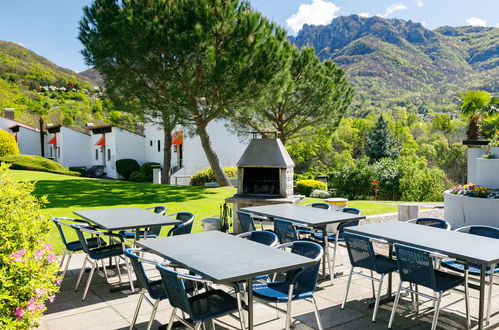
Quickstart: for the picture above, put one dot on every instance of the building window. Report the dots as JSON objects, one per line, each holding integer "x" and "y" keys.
{"x": 159, "y": 146}
{"x": 108, "y": 154}
{"x": 58, "y": 152}
{"x": 150, "y": 143}
{"x": 51, "y": 152}
{"x": 96, "y": 154}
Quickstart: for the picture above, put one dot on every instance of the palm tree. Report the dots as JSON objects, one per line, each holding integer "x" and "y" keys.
{"x": 476, "y": 104}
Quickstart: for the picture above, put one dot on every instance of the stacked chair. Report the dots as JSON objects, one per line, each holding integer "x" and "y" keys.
{"x": 151, "y": 232}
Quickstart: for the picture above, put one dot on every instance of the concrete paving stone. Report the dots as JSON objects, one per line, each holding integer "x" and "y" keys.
{"x": 96, "y": 318}
{"x": 68, "y": 303}
{"x": 330, "y": 316}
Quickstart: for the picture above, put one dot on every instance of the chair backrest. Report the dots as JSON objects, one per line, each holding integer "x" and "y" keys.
{"x": 285, "y": 231}
{"x": 246, "y": 221}
{"x": 263, "y": 237}
{"x": 80, "y": 230}
{"x": 432, "y": 222}
{"x": 185, "y": 227}
{"x": 305, "y": 278}
{"x": 324, "y": 206}
{"x": 415, "y": 266}
{"x": 161, "y": 210}
{"x": 480, "y": 230}
{"x": 175, "y": 289}
{"x": 360, "y": 251}
{"x": 351, "y": 210}
{"x": 138, "y": 268}
{"x": 60, "y": 223}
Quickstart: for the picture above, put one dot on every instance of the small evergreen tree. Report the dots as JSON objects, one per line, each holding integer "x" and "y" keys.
{"x": 380, "y": 142}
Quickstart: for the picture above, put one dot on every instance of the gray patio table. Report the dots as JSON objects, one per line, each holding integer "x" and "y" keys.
{"x": 225, "y": 259}
{"x": 470, "y": 248}
{"x": 309, "y": 216}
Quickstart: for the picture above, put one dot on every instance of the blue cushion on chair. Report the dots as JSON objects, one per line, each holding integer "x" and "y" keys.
{"x": 131, "y": 234}
{"x": 106, "y": 251}
{"x": 330, "y": 236}
{"x": 473, "y": 269}
{"x": 276, "y": 291}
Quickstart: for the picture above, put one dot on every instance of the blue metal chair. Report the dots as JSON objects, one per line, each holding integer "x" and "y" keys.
{"x": 307, "y": 230}
{"x": 432, "y": 222}
{"x": 361, "y": 254}
{"x": 246, "y": 221}
{"x": 285, "y": 231}
{"x": 114, "y": 250}
{"x": 416, "y": 267}
{"x": 73, "y": 246}
{"x": 474, "y": 269}
{"x": 155, "y": 288}
{"x": 201, "y": 307}
{"x": 261, "y": 236}
{"x": 185, "y": 227}
{"x": 298, "y": 283}
{"x": 152, "y": 232}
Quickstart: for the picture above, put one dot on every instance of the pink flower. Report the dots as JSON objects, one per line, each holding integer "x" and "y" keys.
{"x": 19, "y": 313}
{"x": 18, "y": 256}
{"x": 58, "y": 281}
{"x": 48, "y": 247}
{"x": 31, "y": 305}
{"x": 51, "y": 257}
{"x": 39, "y": 254}
{"x": 52, "y": 298}
{"x": 39, "y": 292}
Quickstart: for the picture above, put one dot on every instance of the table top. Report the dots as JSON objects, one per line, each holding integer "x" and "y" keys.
{"x": 125, "y": 218}
{"x": 224, "y": 258}
{"x": 473, "y": 248}
{"x": 310, "y": 216}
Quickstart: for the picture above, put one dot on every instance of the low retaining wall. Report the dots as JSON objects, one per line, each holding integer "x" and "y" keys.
{"x": 466, "y": 211}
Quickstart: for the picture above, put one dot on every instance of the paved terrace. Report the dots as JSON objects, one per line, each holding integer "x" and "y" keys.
{"x": 105, "y": 310}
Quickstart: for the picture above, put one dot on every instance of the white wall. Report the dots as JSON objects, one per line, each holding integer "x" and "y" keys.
{"x": 28, "y": 141}
{"x": 152, "y": 134}
{"x": 74, "y": 146}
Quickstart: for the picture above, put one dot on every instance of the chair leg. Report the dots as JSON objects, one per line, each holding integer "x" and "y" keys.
{"x": 348, "y": 288}
{"x": 317, "y": 316}
{"x": 467, "y": 300}
{"x": 378, "y": 296}
{"x": 334, "y": 255}
{"x": 116, "y": 259}
{"x": 198, "y": 325}
{"x": 437, "y": 310}
{"x": 372, "y": 284}
{"x": 70, "y": 254}
{"x": 170, "y": 321}
{"x": 416, "y": 298}
{"x": 288, "y": 314}
{"x": 153, "y": 314}
{"x": 137, "y": 309}
{"x": 489, "y": 299}
{"x": 90, "y": 275}
{"x": 105, "y": 270}
{"x": 129, "y": 275}
{"x": 240, "y": 310}
{"x": 395, "y": 303}
{"x": 81, "y": 273}
{"x": 63, "y": 257}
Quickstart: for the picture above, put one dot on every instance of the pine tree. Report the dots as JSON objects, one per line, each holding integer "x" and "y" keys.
{"x": 380, "y": 143}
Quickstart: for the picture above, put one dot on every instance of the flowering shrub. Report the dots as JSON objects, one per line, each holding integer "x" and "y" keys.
{"x": 28, "y": 265}
{"x": 8, "y": 145}
{"x": 305, "y": 187}
{"x": 317, "y": 193}
{"x": 471, "y": 190}
{"x": 206, "y": 175}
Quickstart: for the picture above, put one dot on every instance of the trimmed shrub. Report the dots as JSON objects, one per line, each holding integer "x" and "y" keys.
{"x": 36, "y": 163}
{"x": 138, "y": 176}
{"x": 353, "y": 179}
{"x": 206, "y": 175}
{"x": 27, "y": 264}
{"x": 305, "y": 187}
{"x": 81, "y": 170}
{"x": 317, "y": 193}
{"x": 147, "y": 170}
{"x": 8, "y": 145}
{"x": 125, "y": 167}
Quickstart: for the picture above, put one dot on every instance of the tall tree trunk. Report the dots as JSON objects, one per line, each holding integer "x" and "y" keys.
{"x": 42, "y": 137}
{"x": 210, "y": 153}
{"x": 167, "y": 151}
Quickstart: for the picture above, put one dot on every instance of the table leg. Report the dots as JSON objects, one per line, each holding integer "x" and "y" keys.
{"x": 249, "y": 291}
{"x": 326, "y": 256}
{"x": 481, "y": 302}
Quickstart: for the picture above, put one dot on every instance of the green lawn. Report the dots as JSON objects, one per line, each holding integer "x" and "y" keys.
{"x": 67, "y": 193}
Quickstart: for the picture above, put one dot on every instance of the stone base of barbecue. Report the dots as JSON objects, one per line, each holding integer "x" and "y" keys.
{"x": 240, "y": 202}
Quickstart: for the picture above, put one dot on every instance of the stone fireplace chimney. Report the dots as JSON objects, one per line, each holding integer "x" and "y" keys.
{"x": 8, "y": 113}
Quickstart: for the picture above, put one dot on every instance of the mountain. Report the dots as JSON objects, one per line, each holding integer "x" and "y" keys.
{"x": 393, "y": 62}
{"x": 93, "y": 76}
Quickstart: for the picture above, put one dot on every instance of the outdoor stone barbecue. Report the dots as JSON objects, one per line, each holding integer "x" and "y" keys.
{"x": 265, "y": 176}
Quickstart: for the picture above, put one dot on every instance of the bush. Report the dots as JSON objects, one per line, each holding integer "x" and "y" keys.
{"x": 317, "y": 193}
{"x": 422, "y": 184}
{"x": 36, "y": 163}
{"x": 354, "y": 179}
{"x": 206, "y": 175}
{"x": 81, "y": 170}
{"x": 125, "y": 167}
{"x": 147, "y": 170}
{"x": 8, "y": 145}
{"x": 305, "y": 187}
{"x": 137, "y": 176}
{"x": 27, "y": 265}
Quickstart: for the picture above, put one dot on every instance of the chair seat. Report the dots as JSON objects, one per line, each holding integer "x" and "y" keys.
{"x": 131, "y": 234}
{"x": 473, "y": 269}
{"x": 304, "y": 230}
{"x": 106, "y": 251}
{"x": 445, "y": 281}
{"x": 330, "y": 236}
{"x": 212, "y": 304}
{"x": 157, "y": 290}
{"x": 276, "y": 291}
{"x": 75, "y": 246}
{"x": 385, "y": 265}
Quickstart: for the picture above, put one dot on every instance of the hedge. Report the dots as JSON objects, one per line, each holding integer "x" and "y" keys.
{"x": 36, "y": 163}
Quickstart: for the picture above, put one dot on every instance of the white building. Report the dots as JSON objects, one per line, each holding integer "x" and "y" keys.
{"x": 188, "y": 156}
{"x": 68, "y": 147}
{"x": 109, "y": 143}
{"x": 28, "y": 138}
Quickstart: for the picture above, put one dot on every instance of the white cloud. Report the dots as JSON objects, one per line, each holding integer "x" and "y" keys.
{"x": 392, "y": 8}
{"x": 364, "y": 14}
{"x": 475, "y": 21}
{"x": 497, "y": 24}
{"x": 419, "y": 3}
{"x": 319, "y": 12}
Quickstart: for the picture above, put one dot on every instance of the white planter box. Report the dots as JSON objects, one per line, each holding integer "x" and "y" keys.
{"x": 473, "y": 154}
{"x": 466, "y": 211}
{"x": 495, "y": 151}
{"x": 487, "y": 173}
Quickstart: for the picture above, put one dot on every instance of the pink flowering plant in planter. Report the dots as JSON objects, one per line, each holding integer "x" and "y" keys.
{"x": 28, "y": 266}
{"x": 470, "y": 190}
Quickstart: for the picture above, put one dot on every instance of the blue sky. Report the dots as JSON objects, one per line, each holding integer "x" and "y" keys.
{"x": 50, "y": 27}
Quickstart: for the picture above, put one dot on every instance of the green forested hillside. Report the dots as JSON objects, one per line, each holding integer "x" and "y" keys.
{"x": 393, "y": 62}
